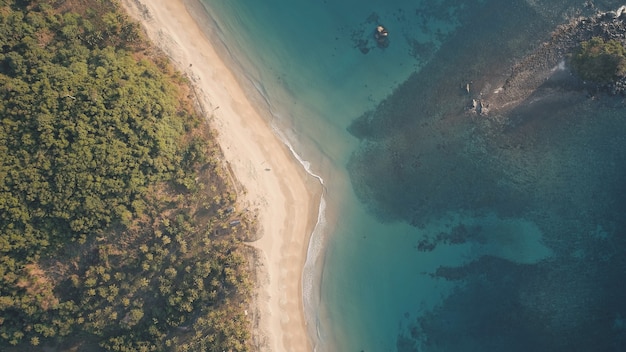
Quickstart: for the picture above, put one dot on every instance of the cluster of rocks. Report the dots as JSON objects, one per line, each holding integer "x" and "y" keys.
{"x": 535, "y": 69}
{"x": 478, "y": 107}
{"x": 382, "y": 36}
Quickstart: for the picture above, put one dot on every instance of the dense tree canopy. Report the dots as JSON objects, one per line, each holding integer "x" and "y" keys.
{"x": 114, "y": 211}
{"x": 600, "y": 61}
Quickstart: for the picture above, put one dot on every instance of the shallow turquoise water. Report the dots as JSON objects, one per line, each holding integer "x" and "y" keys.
{"x": 302, "y": 58}
{"x": 403, "y": 268}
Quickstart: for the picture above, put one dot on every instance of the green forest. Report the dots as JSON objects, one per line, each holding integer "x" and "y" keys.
{"x": 119, "y": 227}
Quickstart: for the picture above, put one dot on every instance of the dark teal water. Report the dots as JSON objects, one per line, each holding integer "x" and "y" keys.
{"x": 442, "y": 231}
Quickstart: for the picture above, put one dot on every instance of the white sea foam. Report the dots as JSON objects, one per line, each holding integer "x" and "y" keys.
{"x": 310, "y": 88}
{"x": 311, "y": 272}
{"x": 559, "y": 67}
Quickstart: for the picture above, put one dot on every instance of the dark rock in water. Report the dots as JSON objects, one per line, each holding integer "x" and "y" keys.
{"x": 382, "y": 43}
{"x": 363, "y": 35}
{"x": 478, "y": 107}
{"x": 382, "y": 36}
{"x": 362, "y": 45}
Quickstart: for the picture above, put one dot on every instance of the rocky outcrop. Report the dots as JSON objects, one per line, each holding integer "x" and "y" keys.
{"x": 547, "y": 66}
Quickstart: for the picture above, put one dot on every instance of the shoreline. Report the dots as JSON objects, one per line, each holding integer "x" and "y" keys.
{"x": 277, "y": 186}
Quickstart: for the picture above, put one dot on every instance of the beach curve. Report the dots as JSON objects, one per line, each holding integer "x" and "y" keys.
{"x": 276, "y": 185}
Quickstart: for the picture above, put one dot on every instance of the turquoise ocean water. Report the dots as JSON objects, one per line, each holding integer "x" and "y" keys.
{"x": 439, "y": 233}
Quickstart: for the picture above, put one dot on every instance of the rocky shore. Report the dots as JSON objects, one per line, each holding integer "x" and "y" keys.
{"x": 546, "y": 70}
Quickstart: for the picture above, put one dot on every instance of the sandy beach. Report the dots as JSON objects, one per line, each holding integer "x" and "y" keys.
{"x": 276, "y": 186}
